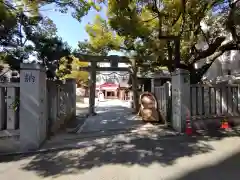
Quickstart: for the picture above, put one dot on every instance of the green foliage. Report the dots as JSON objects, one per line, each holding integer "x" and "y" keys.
{"x": 69, "y": 69}
{"x": 15, "y": 104}
{"x": 78, "y": 8}
{"x": 8, "y": 22}
{"x": 101, "y": 38}
{"x": 145, "y": 21}
{"x": 140, "y": 25}
{"x": 25, "y": 33}
{"x": 23, "y": 36}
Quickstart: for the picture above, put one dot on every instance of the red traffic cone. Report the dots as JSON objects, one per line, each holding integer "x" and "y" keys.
{"x": 225, "y": 125}
{"x": 188, "y": 130}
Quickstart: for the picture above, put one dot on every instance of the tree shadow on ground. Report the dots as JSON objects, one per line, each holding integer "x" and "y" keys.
{"x": 81, "y": 111}
{"x": 112, "y": 117}
{"x": 227, "y": 169}
{"x": 141, "y": 149}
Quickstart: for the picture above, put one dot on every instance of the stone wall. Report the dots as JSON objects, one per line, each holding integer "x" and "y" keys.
{"x": 44, "y": 106}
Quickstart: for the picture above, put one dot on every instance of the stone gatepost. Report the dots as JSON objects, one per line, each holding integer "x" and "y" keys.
{"x": 152, "y": 85}
{"x": 71, "y": 85}
{"x": 180, "y": 99}
{"x": 33, "y": 106}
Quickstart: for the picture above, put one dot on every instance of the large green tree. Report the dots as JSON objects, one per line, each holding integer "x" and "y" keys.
{"x": 26, "y": 36}
{"x": 69, "y": 68}
{"x": 140, "y": 26}
{"x": 26, "y": 33}
{"x": 150, "y": 20}
{"x": 78, "y": 8}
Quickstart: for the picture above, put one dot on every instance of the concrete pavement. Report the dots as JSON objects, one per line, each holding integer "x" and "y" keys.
{"x": 139, "y": 157}
{"x": 111, "y": 115}
{"x": 142, "y": 153}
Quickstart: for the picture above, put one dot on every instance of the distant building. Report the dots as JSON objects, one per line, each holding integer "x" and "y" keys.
{"x": 224, "y": 68}
{"x": 148, "y": 80}
{"x": 112, "y": 84}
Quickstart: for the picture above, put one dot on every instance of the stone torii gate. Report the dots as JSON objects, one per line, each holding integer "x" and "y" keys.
{"x": 114, "y": 60}
{"x": 93, "y": 68}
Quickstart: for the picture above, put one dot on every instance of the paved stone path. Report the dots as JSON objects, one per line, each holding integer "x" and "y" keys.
{"x": 111, "y": 115}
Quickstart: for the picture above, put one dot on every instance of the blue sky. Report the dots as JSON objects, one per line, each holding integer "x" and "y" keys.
{"x": 69, "y": 28}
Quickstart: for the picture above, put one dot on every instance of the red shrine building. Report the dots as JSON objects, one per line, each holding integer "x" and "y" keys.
{"x": 113, "y": 85}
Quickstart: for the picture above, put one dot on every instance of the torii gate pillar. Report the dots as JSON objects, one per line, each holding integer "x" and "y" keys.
{"x": 92, "y": 85}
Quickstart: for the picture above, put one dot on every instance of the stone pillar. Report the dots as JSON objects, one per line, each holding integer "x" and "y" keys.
{"x": 152, "y": 85}
{"x": 72, "y": 90}
{"x": 166, "y": 102}
{"x": 180, "y": 99}
{"x": 131, "y": 100}
{"x": 2, "y": 108}
{"x": 52, "y": 104}
{"x": 135, "y": 85}
{"x": 33, "y": 106}
{"x": 92, "y": 86}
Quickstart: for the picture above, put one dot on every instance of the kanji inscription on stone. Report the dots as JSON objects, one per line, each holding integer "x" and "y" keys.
{"x": 29, "y": 77}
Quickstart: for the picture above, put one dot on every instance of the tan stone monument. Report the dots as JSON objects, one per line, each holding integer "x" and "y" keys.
{"x": 148, "y": 107}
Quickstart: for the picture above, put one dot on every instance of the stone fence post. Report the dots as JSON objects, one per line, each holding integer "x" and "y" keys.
{"x": 152, "y": 85}
{"x": 71, "y": 86}
{"x": 33, "y": 106}
{"x": 52, "y": 99}
{"x": 180, "y": 99}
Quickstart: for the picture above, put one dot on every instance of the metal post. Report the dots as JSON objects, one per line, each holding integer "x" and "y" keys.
{"x": 92, "y": 84}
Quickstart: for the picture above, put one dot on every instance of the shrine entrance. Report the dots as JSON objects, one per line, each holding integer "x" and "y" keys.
{"x": 113, "y": 85}
{"x": 105, "y": 79}
{"x": 114, "y": 112}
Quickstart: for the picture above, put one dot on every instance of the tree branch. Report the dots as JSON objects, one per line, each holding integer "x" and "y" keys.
{"x": 212, "y": 48}
{"x": 155, "y": 9}
{"x": 201, "y": 14}
{"x": 183, "y": 15}
{"x": 150, "y": 19}
{"x": 211, "y": 58}
{"x": 127, "y": 49}
{"x": 230, "y": 21}
{"x": 178, "y": 17}
{"x": 205, "y": 36}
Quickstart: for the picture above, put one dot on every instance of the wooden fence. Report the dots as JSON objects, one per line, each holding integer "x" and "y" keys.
{"x": 61, "y": 98}
{"x": 162, "y": 94}
{"x": 9, "y": 106}
{"x": 213, "y": 101}
{"x": 206, "y": 101}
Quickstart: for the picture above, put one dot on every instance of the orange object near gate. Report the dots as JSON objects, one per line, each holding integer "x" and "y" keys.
{"x": 225, "y": 125}
{"x": 188, "y": 129}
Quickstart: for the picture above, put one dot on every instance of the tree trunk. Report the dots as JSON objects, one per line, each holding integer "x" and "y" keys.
{"x": 134, "y": 86}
